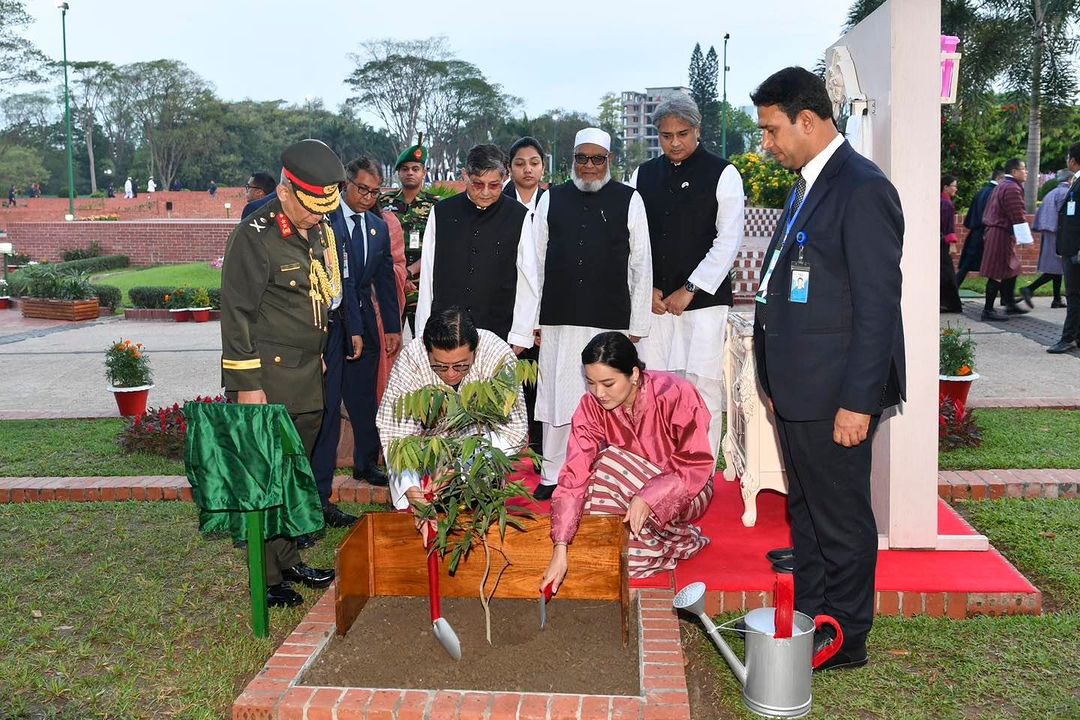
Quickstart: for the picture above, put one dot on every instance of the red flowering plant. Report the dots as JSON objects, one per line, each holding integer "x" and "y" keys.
{"x": 126, "y": 365}
{"x": 956, "y": 426}
{"x": 160, "y": 431}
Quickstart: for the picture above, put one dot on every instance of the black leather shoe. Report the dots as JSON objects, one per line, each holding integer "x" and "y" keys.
{"x": 1015, "y": 309}
{"x": 993, "y": 316}
{"x": 845, "y": 660}
{"x": 335, "y": 517}
{"x": 787, "y": 565}
{"x": 543, "y": 492}
{"x": 372, "y": 475}
{"x": 1062, "y": 346}
{"x": 780, "y": 554}
{"x": 312, "y": 577}
{"x": 304, "y": 542}
{"x": 282, "y": 595}
{"x": 1057, "y": 304}
{"x": 1025, "y": 295}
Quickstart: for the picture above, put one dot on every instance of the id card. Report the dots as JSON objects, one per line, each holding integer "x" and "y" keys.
{"x": 414, "y": 240}
{"x": 800, "y": 283}
{"x": 1070, "y": 208}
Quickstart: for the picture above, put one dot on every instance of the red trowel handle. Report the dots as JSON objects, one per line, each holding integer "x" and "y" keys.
{"x": 832, "y": 648}
{"x": 784, "y": 597}
{"x": 433, "y": 584}
{"x": 546, "y": 591}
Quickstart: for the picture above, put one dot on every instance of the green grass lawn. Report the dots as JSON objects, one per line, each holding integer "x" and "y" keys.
{"x": 194, "y": 275}
{"x": 981, "y": 668}
{"x": 1020, "y": 438}
{"x": 122, "y": 610}
{"x": 978, "y": 284}
{"x": 73, "y": 448}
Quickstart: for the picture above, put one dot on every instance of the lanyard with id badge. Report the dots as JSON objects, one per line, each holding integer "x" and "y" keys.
{"x": 799, "y": 291}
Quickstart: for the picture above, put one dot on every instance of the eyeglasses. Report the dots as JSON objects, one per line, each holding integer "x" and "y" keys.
{"x": 363, "y": 190}
{"x": 252, "y": 187}
{"x": 597, "y": 160}
{"x": 460, "y": 368}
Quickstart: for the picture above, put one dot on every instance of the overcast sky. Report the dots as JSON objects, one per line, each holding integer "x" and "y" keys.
{"x": 552, "y": 54}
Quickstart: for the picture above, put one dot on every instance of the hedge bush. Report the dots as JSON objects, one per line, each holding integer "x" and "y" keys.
{"x": 94, "y": 264}
{"x": 91, "y": 251}
{"x": 149, "y": 296}
{"x": 108, "y": 296}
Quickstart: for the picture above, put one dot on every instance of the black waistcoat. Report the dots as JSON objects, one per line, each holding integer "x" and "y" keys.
{"x": 476, "y": 259}
{"x": 588, "y": 250}
{"x": 680, "y": 201}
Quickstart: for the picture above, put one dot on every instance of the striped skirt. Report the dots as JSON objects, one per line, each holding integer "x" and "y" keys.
{"x": 617, "y": 476}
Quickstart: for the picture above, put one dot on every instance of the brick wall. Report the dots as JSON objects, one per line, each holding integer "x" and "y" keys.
{"x": 186, "y": 205}
{"x": 1029, "y": 254}
{"x": 145, "y": 242}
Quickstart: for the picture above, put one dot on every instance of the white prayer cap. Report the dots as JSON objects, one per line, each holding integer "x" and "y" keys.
{"x": 594, "y": 136}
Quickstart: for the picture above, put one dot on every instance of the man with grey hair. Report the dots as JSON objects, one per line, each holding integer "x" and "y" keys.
{"x": 694, "y": 201}
{"x": 592, "y": 246}
{"x": 479, "y": 254}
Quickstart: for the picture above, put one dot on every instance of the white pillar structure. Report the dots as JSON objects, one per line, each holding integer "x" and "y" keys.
{"x": 896, "y": 57}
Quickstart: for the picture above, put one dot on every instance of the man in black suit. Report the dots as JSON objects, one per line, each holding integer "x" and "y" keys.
{"x": 1068, "y": 247}
{"x": 352, "y": 349}
{"x": 829, "y": 347}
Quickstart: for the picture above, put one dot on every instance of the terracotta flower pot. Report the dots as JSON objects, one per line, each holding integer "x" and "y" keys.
{"x": 200, "y": 314}
{"x": 131, "y": 401}
{"x": 182, "y": 315}
{"x": 955, "y": 388}
{"x": 5, "y": 303}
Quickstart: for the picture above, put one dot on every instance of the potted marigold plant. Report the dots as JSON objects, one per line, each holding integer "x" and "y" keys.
{"x": 200, "y": 305}
{"x": 956, "y": 367}
{"x": 179, "y": 303}
{"x": 127, "y": 369}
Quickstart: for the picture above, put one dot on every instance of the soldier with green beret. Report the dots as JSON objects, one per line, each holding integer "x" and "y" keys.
{"x": 279, "y": 279}
{"x": 411, "y": 204}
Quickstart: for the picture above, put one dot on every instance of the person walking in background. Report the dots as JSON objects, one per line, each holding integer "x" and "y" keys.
{"x": 151, "y": 186}
{"x": 212, "y": 189}
{"x": 1001, "y": 263}
{"x": 1046, "y": 222}
{"x": 128, "y": 188}
{"x": 971, "y": 255}
{"x": 950, "y": 291}
{"x": 1068, "y": 247}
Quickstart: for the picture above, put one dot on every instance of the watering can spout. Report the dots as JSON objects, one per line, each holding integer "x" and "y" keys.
{"x": 692, "y": 599}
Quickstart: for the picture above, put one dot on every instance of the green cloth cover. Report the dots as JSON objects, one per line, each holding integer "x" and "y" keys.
{"x": 249, "y": 457}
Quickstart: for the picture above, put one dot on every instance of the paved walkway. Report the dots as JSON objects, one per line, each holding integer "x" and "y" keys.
{"x": 952, "y": 485}
{"x": 56, "y": 369}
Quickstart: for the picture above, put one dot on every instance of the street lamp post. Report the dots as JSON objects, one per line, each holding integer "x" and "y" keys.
{"x": 723, "y": 106}
{"x": 67, "y": 112}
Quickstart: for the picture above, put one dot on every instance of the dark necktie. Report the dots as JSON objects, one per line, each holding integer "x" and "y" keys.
{"x": 358, "y": 241}
{"x": 800, "y": 193}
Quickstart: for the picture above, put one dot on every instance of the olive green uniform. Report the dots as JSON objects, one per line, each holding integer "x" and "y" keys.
{"x": 273, "y": 330}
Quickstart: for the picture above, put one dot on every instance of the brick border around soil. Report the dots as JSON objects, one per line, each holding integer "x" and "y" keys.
{"x": 273, "y": 694}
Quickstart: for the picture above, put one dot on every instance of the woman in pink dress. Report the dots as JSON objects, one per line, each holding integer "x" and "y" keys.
{"x": 639, "y": 447}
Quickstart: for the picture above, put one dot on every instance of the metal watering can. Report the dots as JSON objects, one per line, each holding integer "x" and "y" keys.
{"x": 776, "y": 677}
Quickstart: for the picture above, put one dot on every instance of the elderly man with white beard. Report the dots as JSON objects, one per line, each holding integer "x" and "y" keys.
{"x": 595, "y": 273}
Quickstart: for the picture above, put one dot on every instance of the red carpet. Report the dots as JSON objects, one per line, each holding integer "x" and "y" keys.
{"x": 735, "y": 556}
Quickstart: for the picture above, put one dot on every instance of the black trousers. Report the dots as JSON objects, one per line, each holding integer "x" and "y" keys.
{"x": 832, "y": 525}
{"x": 354, "y": 382}
{"x": 280, "y": 552}
{"x": 970, "y": 256}
{"x": 1070, "y": 331}
{"x": 536, "y": 429}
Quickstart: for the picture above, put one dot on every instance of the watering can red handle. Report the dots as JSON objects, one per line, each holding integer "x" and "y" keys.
{"x": 832, "y": 648}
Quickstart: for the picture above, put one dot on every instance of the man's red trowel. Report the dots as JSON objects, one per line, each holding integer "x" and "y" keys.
{"x": 440, "y": 627}
{"x": 545, "y": 597}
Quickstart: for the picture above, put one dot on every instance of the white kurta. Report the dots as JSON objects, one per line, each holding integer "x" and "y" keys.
{"x": 693, "y": 343}
{"x": 527, "y": 293}
{"x": 562, "y": 380}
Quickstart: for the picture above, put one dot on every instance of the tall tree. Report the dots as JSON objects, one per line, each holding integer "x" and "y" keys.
{"x": 20, "y": 61}
{"x": 461, "y": 110}
{"x": 393, "y": 79}
{"x": 167, "y": 98}
{"x": 91, "y": 84}
{"x": 702, "y": 81}
{"x": 1042, "y": 64}
{"x": 610, "y": 119}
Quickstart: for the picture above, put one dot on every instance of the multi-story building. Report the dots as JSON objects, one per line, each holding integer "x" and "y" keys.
{"x": 637, "y": 111}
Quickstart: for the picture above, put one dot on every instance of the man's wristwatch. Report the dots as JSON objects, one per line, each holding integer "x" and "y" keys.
{"x": 690, "y": 287}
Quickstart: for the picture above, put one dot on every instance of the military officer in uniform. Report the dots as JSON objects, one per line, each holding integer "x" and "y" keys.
{"x": 278, "y": 279}
{"x": 411, "y": 205}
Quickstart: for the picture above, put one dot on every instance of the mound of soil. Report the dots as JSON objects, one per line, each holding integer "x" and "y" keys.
{"x": 391, "y": 645}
